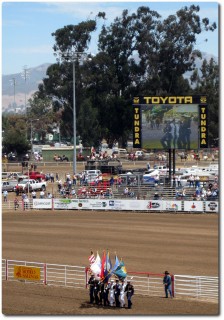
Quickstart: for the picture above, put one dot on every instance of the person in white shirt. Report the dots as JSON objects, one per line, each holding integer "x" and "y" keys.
{"x": 5, "y": 195}
{"x": 191, "y": 180}
{"x": 179, "y": 181}
{"x": 42, "y": 194}
{"x": 34, "y": 194}
{"x": 122, "y": 294}
{"x": 111, "y": 293}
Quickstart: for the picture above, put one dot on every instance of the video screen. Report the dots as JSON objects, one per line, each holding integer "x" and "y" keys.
{"x": 170, "y": 126}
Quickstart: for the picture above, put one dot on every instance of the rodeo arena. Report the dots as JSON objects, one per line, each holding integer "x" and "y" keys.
{"x": 127, "y": 229}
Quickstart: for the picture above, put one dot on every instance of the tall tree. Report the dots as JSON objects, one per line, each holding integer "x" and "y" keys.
{"x": 15, "y": 134}
{"x": 206, "y": 81}
{"x": 139, "y": 54}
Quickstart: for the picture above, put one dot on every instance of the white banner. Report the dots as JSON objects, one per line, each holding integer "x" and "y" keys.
{"x": 126, "y": 204}
{"x": 63, "y": 204}
{"x": 192, "y": 206}
{"x": 172, "y": 205}
{"x": 212, "y": 206}
{"x": 42, "y": 203}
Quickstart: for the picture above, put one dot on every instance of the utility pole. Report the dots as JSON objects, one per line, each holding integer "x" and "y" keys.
{"x": 25, "y": 75}
{"x": 13, "y": 82}
{"x": 31, "y": 136}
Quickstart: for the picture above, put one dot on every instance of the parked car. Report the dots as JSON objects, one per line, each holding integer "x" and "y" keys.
{"x": 13, "y": 176}
{"x": 120, "y": 153}
{"x": 36, "y": 175}
{"x": 9, "y": 185}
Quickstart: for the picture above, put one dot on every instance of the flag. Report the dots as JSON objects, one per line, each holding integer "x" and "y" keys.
{"x": 121, "y": 271}
{"x": 92, "y": 258}
{"x": 116, "y": 264}
{"x": 107, "y": 268}
{"x": 96, "y": 267}
{"x": 103, "y": 265}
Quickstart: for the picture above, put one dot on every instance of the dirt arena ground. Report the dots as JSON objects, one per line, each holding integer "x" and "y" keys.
{"x": 186, "y": 244}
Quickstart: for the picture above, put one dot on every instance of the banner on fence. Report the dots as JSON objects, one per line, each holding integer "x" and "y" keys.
{"x": 126, "y": 204}
{"x": 196, "y": 206}
{"x": 211, "y": 206}
{"x": 26, "y": 273}
{"x": 42, "y": 203}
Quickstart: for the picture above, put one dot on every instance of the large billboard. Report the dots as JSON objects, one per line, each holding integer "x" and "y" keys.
{"x": 170, "y": 122}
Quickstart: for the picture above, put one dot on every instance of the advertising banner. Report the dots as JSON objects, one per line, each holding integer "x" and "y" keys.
{"x": 64, "y": 204}
{"x": 126, "y": 204}
{"x": 26, "y": 273}
{"x": 196, "y": 206}
{"x": 212, "y": 206}
{"x": 172, "y": 205}
{"x": 42, "y": 203}
{"x": 153, "y": 205}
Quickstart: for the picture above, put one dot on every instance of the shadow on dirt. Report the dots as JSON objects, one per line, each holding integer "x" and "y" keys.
{"x": 88, "y": 305}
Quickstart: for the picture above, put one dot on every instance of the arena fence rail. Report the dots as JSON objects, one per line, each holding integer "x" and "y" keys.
{"x": 147, "y": 284}
{"x": 197, "y": 287}
{"x": 116, "y": 205}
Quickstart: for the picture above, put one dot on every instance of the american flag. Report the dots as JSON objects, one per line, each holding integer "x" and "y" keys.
{"x": 92, "y": 258}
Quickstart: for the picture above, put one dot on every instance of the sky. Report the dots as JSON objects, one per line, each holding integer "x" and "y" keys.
{"x": 27, "y": 26}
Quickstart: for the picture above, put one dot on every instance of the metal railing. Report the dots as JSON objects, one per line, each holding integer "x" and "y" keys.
{"x": 200, "y": 287}
{"x": 50, "y": 274}
{"x": 147, "y": 284}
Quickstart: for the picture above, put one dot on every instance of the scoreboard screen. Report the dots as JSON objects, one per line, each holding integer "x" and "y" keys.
{"x": 170, "y": 122}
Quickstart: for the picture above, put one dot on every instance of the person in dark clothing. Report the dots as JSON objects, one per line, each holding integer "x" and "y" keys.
{"x": 184, "y": 133}
{"x": 106, "y": 294}
{"x": 91, "y": 287}
{"x": 130, "y": 291}
{"x": 117, "y": 289}
{"x": 101, "y": 292}
{"x": 96, "y": 290}
{"x": 167, "y": 137}
{"x": 167, "y": 284}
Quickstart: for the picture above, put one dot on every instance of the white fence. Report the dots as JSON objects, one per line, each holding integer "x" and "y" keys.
{"x": 197, "y": 287}
{"x": 50, "y": 274}
{"x": 117, "y": 205}
{"x": 148, "y": 284}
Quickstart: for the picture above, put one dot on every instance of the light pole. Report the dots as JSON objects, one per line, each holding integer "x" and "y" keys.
{"x": 31, "y": 136}
{"x": 73, "y": 56}
{"x": 25, "y": 75}
{"x": 13, "y": 82}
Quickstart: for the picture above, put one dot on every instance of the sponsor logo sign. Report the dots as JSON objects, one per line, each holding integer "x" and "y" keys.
{"x": 172, "y": 205}
{"x": 193, "y": 206}
{"x": 154, "y": 205}
{"x": 42, "y": 203}
{"x": 27, "y": 273}
{"x": 212, "y": 206}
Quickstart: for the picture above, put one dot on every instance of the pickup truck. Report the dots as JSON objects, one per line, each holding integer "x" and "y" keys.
{"x": 31, "y": 185}
{"x": 9, "y": 185}
{"x": 36, "y": 175}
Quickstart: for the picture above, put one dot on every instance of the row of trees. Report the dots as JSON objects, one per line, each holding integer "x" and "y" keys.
{"x": 138, "y": 54}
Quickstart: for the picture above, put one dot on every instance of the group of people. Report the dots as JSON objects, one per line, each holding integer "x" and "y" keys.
{"x": 177, "y": 133}
{"x": 118, "y": 293}
{"x": 199, "y": 192}
{"x": 113, "y": 293}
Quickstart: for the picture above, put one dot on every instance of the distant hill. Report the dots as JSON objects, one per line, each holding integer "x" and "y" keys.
{"x": 34, "y": 78}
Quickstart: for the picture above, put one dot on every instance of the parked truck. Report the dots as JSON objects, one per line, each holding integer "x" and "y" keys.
{"x": 31, "y": 185}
